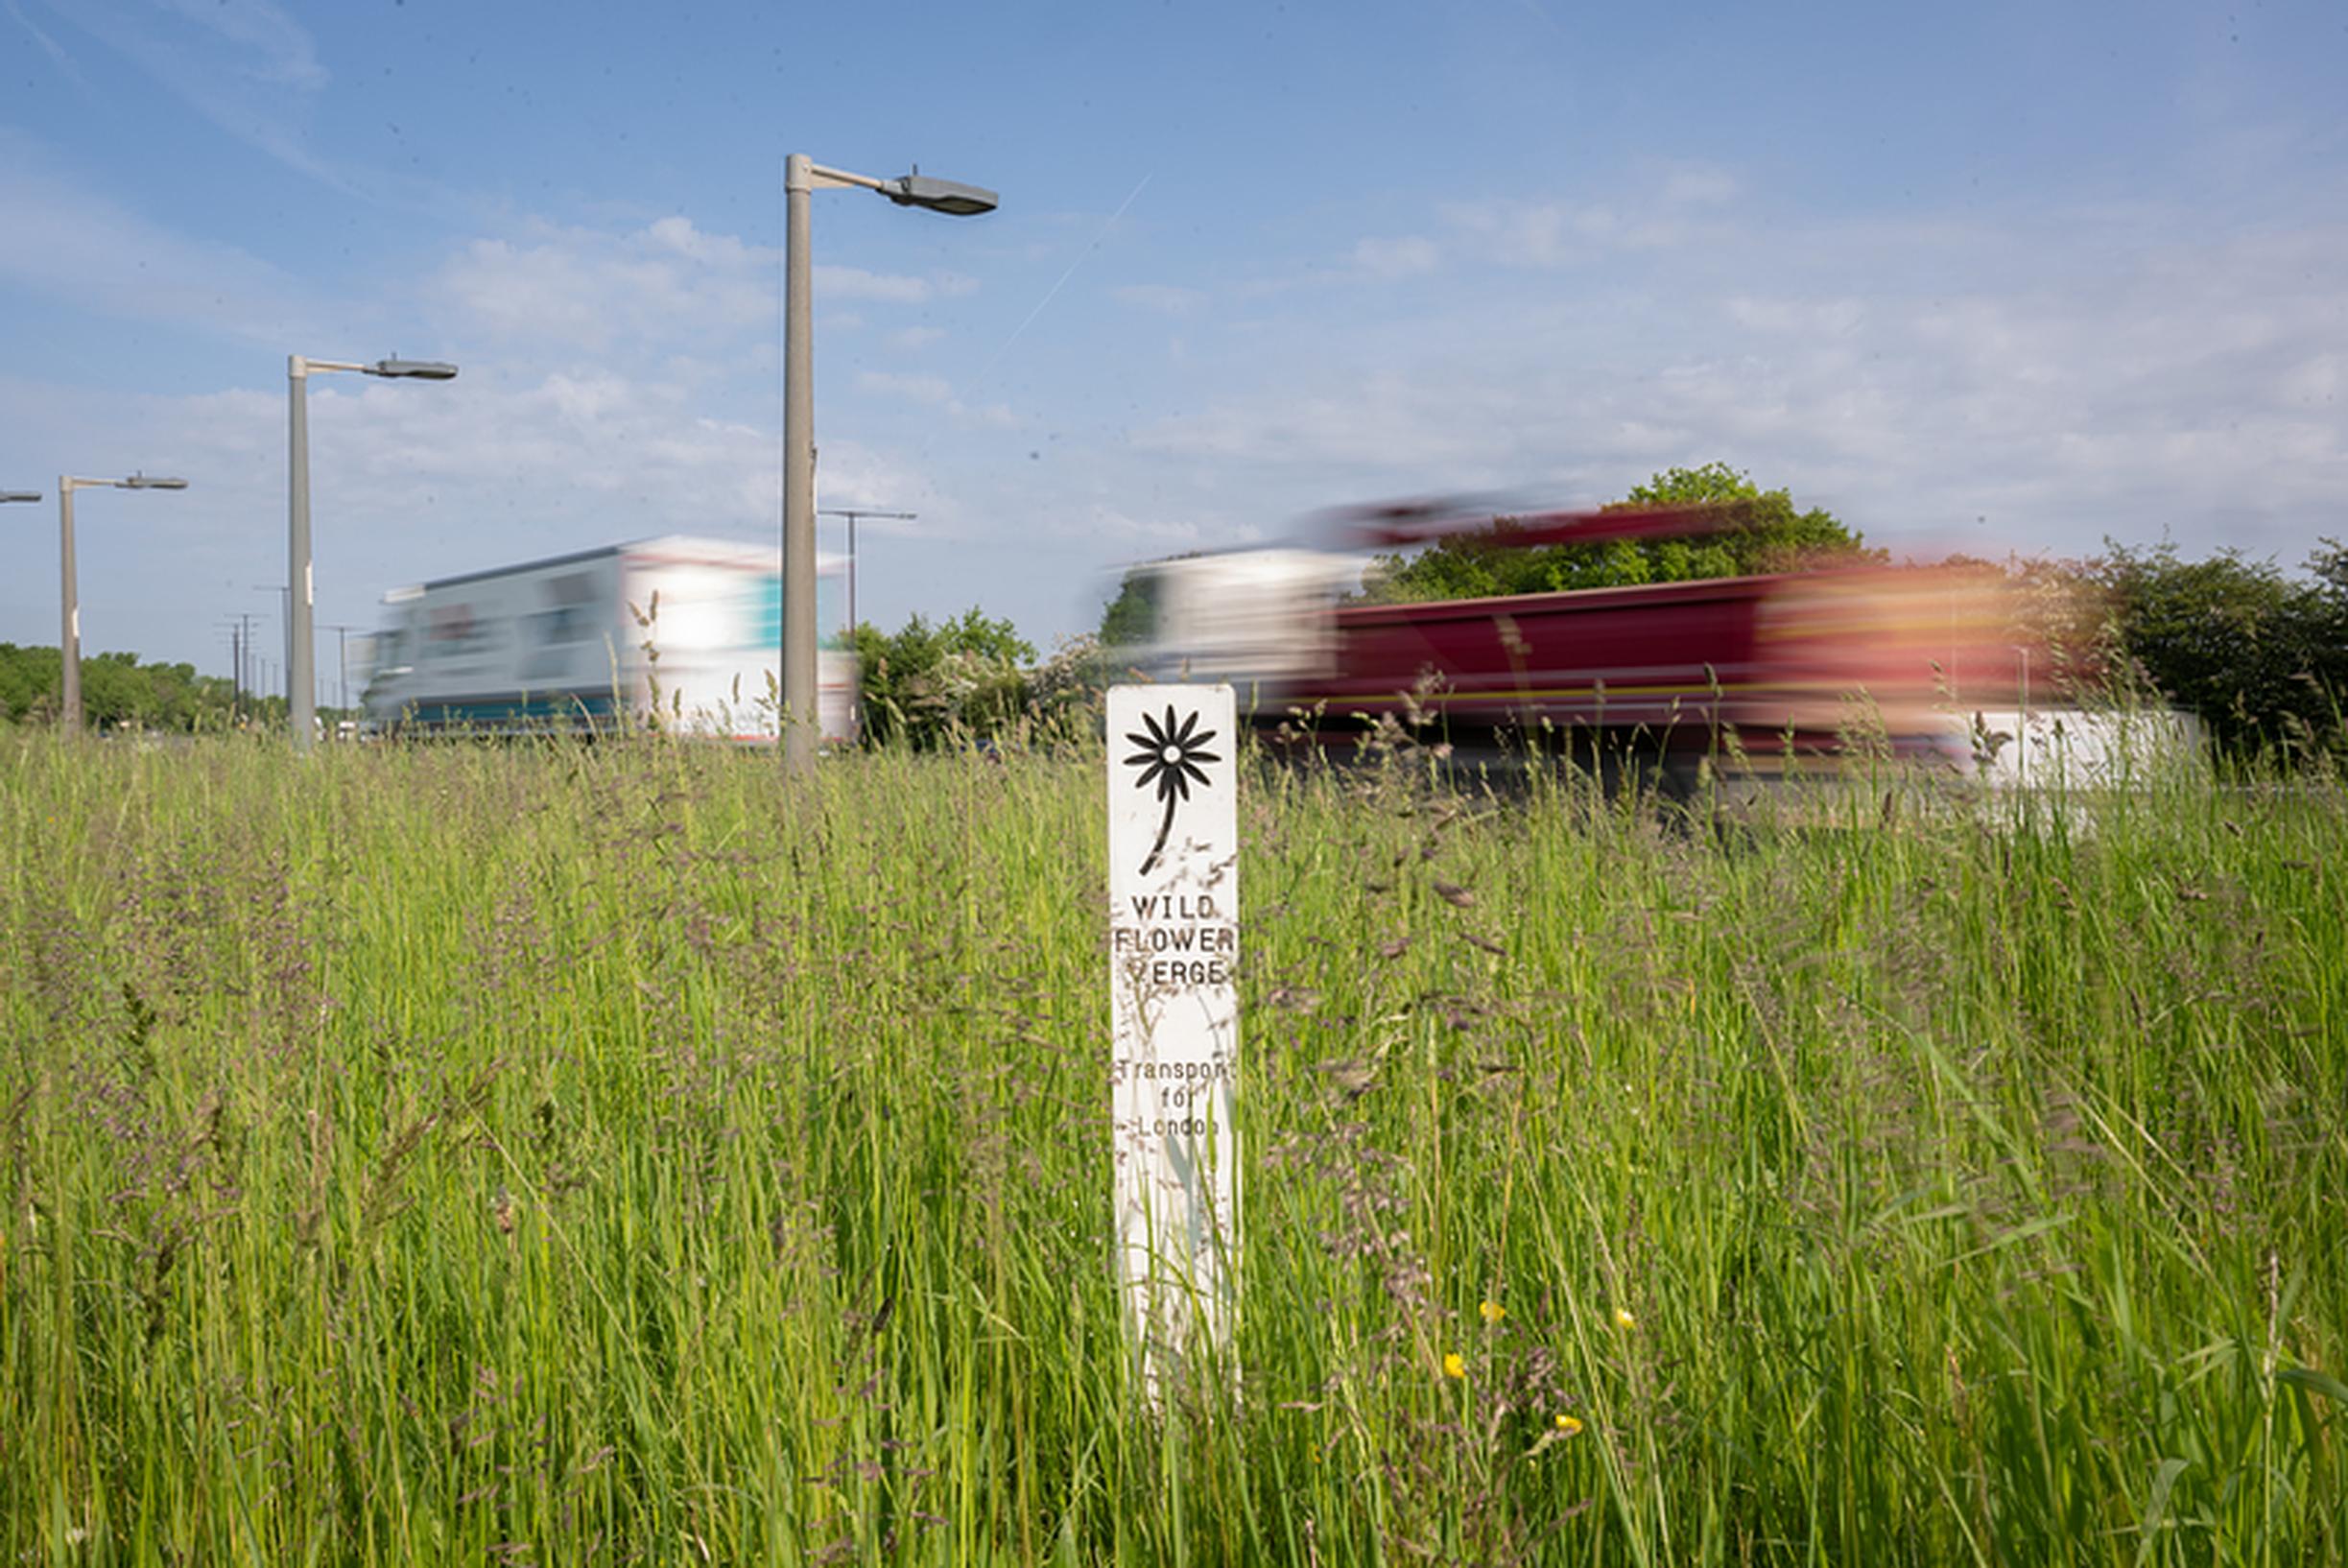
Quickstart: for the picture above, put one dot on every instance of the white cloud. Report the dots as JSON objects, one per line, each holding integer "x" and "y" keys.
{"x": 667, "y": 283}
{"x": 856, "y": 283}
{"x": 932, "y": 390}
{"x": 594, "y": 289}
{"x": 1384, "y": 424}
{"x": 1798, "y": 319}
{"x": 1559, "y": 233}
{"x": 1409, "y": 256}
{"x": 1697, "y": 185}
{"x": 1142, "y": 536}
{"x": 897, "y": 289}
{"x": 1532, "y": 234}
{"x": 2314, "y": 381}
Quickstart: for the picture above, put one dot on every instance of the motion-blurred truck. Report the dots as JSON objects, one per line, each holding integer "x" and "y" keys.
{"x": 680, "y": 633}
{"x": 1763, "y": 675}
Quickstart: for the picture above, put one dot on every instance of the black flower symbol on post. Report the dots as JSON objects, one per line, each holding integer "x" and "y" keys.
{"x": 1170, "y": 758}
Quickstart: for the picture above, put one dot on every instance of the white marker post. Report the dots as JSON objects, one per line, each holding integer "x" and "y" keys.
{"x": 1174, "y": 945}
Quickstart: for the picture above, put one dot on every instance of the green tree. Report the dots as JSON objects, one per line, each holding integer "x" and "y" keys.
{"x": 2261, "y": 657}
{"x": 118, "y": 690}
{"x": 928, "y": 685}
{"x": 29, "y": 683}
{"x": 1760, "y": 530}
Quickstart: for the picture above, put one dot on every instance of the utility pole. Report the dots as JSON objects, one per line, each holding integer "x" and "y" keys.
{"x": 342, "y": 658}
{"x": 285, "y": 607}
{"x": 247, "y": 666}
{"x": 243, "y": 661}
{"x": 228, "y": 629}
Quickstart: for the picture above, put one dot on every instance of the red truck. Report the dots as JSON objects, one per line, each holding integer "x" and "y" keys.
{"x": 1799, "y": 665}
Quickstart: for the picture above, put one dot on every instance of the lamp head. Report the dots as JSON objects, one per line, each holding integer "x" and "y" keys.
{"x": 414, "y": 369}
{"x": 939, "y": 196}
{"x": 152, "y": 482}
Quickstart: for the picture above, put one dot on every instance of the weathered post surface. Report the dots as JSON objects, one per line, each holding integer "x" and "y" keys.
{"x": 1173, "y": 948}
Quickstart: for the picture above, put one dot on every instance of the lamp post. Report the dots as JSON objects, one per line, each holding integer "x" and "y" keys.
{"x": 69, "y": 602}
{"x": 801, "y": 724}
{"x": 851, "y": 514}
{"x": 302, "y": 696}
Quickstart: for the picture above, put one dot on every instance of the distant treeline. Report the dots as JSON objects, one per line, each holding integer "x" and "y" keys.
{"x": 118, "y": 690}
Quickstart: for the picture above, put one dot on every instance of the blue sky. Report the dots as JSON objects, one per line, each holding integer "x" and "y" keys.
{"x": 1986, "y": 276}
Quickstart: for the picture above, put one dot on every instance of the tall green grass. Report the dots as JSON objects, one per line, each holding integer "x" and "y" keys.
{"x": 607, "y": 1155}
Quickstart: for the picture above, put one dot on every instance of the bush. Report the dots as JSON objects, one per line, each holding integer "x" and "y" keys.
{"x": 2255, "y": 654}
{"x": 958, "y": 682}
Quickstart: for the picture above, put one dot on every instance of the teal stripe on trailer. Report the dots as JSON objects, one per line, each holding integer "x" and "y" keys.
{"x": 510, "y": 709}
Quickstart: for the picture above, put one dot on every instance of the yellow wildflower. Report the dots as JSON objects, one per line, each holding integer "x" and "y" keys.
{"x": 1493, "y": 1312}
{"x": 1568, "y": 1425}
{"x": 1454, "y": 1365}
{"x": 1624, "y": 1319}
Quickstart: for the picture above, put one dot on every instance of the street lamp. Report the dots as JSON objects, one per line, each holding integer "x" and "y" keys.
{"x": 851, "y": 514}
{"x": 301, "y": 696}
{"x": 803, "y": 724}
{"x": 69, "y": 614}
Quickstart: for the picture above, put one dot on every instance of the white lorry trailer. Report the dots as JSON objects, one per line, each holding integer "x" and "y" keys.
{"x": 689, "y": 629}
